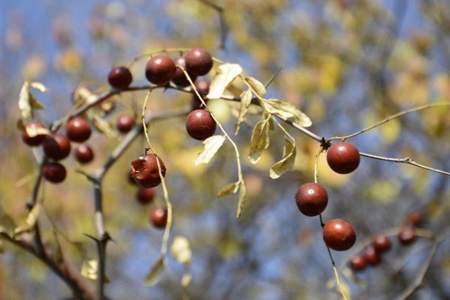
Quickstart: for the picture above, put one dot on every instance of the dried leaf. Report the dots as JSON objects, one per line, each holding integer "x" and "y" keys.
{"x": 341, "y": 286}
{"x": 154, "y": 274}
{"x": 33, "y": 130}
{"x": 7, "y": 224}
{"x": 89, "y": 269}
{"x": 181, "y": 250}
{"x": 186, "y": 280}
{"x": 83, "y": 96}
{"x": 246, "y": 100}
{"x": 256, "y": 85}
{"x": 227, "y": 73}
{"x": 286, "y": 163}
{"x": 230, "y": 188}
{"x": 31, "y": 220}
{"x": 242, "y": 198}
{"x": 104, "y": 126}
{"x": 260, "y": 140}
{"x": 27, "y": 102}
{"x": 287, "y": 112}
{"x": 212, "y": 145}
{"x": 39, "y": 86}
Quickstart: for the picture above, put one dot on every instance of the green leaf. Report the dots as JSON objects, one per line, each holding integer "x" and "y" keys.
{"x": 260, "y": 140}
{"x": 227, "y": 73}
{"x": 89, "y": 269}
{"x": 242, "y": 198}
{"x": 229, "y": 189}
{"x": 154, "y": 274}
{"x": 212, "y": 145}
{"x": 31, "y": 220}
{"x": 256, "y": 85}
{"x": 286, "y": 163}
{"x": 246, "y": 100}
{"x": 287, "y": 112}
{"x": 181, "y": 250}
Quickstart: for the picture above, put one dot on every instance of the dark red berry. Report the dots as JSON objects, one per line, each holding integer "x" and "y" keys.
{"x": 130, "y": 178}
{"x": 371, "y": 256}
{"x": 78, "y": 129}
{"x": 381, "y": 243}
{"x": 37, "y": 137}
{"x": 56, "y": 146}
{"x": 84, "y": 154}
{"x": 202, "y": 86}
{"x": 54, "y": 172}
{"x": 144, "y": 170}
{"x": 200, "y": 125}
{"x": 311, "y": 198}
{"x": 339, "y": 234}
{"x": 120, "y": 78}
{"x": 407, "y": 235}
{"x": 198, "y": 61}
{"x": 125, "y": 123}
{"x": 343, "y": 158}
{"x": 414, "y": 218}
{"x": 158, "y": 217}
{"x": 179, "y": 78}
{"x": 358, "y": 263}
{"x": 160, "y": 69}
{"x": 145, "y": 195}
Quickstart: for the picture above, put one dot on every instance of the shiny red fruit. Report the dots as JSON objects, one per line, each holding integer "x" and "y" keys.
{"x": 407, "y": 235}
{"x": 358, "y": 263}
{"x": 179, "y": 78}
{"x": 33, "y": 140}
{"x": 54, "y": 172}
{"x": 202, "y": 86}
{"x": 56, "y": 146}
{"x": 145, "y": 195}
{"x": 343, "y": 158}
{"x": 125, "y": 123}
{"x": 144, "y": 170}
{"x": 158, "y": 217}
{"x": 414, "y": 218}
{"x": 198, "y": 61}
{"x": 120, "y": 77}
{"x": 339, "y": 235}
{"x": 160, "y": 69}
{"x": 200, "y": 125}
{"x": 311, "y": 199}
{"x": 78, "y": 129}
{"x": 84, "y": 154}
{"x": 381, "y": 243}
{"x": 371, "y": 256}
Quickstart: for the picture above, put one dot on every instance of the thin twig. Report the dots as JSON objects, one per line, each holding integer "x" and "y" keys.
{"x": 223, "y": 24}
{"x": 404, "y": 160}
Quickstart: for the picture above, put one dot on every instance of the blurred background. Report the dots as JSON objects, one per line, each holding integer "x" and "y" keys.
{"x": 345, "y": 63}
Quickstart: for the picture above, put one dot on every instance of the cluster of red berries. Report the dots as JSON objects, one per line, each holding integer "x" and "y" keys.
{"x": 144, "y": 172}
{"x": 162, "y": 69}
{"x": 312, "y": 198}
{"x": 372, "y": 255}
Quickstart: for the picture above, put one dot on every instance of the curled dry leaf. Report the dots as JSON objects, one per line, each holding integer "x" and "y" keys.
{"x": 246, "y": 100}
{"x": 287, "y": 112}
{"x": 226, "y": 74}
{"x": 286, "y": 163}
{"x": 256, "y": 85}
{"x": 30, "y": 221}
{"x": 154, "y": 274}
{"x": 229, "y": 189}
{"x": 242, "y": 198}
{"x": 186, "y": 279}
{"x": 27, "y": 102}
{"x": 83, "y": 96}
{"x": 260, "y": 140}
{"x": 89, "y": 269}
{"x": 181, "y": 250}
{"x": 212, "y": 145}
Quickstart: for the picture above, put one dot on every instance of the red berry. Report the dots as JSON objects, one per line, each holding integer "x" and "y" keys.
{"x": 120, "y": 78}
{"x": 54, "y": 172}
{"x": 158, "y": 217}
{"x": 78, "y": 129}
{"x": 339, "y": 234}
{"x": 381, "y": 243}
{"x": 144, "y": 170}
{"x": 145, "y": 195}
{"x": 202, "y": 87}
{"x": 56, "y": 146}
{"x": 414, "y": 218}
{"x": 343, "y": 158}
{"x": 200, "y": 125}
{"x": 130, "y": 178}
{"x": 407, "y": 235}
{"x": 179, "y": 78}
{"x": 198, "y": 61}
{"x": 358, "y": 263}
{"x": 125, "y": 123}
{"x": 160, "y": 69}
{"x": 84, "y": 153}
{"x": 35, "y": 140}
{"x": 311, "y": 198}
{"x": 371, "y": 256}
